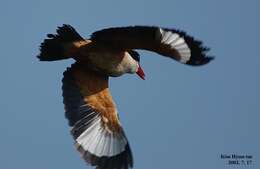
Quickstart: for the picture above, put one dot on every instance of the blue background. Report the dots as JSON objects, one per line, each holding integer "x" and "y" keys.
{"x": 180, "y": 117}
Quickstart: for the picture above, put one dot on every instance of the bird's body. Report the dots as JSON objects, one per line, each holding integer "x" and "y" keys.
{"x": 113, "y": 64}
{"x": 89, "y": 106}
{"x": 110, "y": 62}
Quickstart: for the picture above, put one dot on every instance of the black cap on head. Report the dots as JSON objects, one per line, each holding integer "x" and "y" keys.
{"x": 135, "y": 55}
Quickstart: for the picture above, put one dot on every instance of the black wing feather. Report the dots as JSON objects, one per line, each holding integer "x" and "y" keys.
{"x": 145, "y": 37}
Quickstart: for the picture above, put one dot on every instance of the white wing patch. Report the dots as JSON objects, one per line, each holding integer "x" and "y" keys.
{"x": 175, "y": 42}
{"x": 97, "y": 144}
{"x": 100, "y": 141}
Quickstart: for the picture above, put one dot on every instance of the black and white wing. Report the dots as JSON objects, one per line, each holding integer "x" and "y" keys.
{"x": 98, "y": 134}
{"x": 167, "y": 42}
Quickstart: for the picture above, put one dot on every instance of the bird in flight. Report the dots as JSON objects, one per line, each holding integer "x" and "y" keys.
{"x": 89, "y": 107}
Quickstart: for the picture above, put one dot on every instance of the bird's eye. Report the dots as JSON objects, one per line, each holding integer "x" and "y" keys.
{"x": 135, "y": 55}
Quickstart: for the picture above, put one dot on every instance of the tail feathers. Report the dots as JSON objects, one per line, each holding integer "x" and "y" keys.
{"x": 101, "y": 147}
{"x": 56, "y": 46}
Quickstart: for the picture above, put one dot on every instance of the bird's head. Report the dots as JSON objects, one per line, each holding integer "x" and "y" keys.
{"x": 135, "y": 55}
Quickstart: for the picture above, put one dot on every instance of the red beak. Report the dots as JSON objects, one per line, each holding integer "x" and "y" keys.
{"x": 140, "y": 72}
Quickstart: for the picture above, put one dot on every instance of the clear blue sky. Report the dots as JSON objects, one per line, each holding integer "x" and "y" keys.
{"x": 180, "y": 117}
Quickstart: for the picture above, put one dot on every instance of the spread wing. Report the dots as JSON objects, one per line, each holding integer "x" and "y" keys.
{"x": 167, "y": 42}
{"x": 92, "y": 115}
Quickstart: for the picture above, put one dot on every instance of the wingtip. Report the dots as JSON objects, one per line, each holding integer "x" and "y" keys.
{"x": 203, "y": 61}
